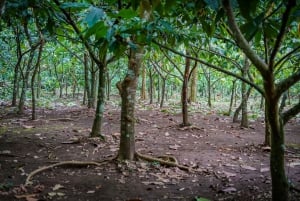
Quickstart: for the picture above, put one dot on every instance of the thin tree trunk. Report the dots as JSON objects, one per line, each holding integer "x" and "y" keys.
{"x": 245, "y": 96}
{"x": 184, "y": 92}
{"x": 163, "y": 90}
{"x": 151, "y": 87}
{"x": 143, "y": 88}
{"x": 127, "y": 89}
{"x": 108, "y": 83}
{"x": 36, "y": 67}
{"x": 231, "y": 97}
{"x": 280, "y": 186}
{"x": 91, "y": 103}
{"x": 97, "y": 124}
{"x": 158, "y": 89}
{"x": 239, "y": 108}
{"x": 209, "y": 91}
{"x": 86, "y": 81}
{"x": 193, "y": 87}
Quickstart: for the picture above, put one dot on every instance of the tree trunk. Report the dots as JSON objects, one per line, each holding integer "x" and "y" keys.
{"x": 231, "y": 97}
{"x": 127, "y": 89}
{"x": 158, "y": 89}
{"x": 239, "y": 108}
{"x": 163, "y": 90}
{"x": 91, "y": 99}
{"x": 143, "y": 88}
{"x": 36, "y": 68}
{"x": 245, "y": 96}
{"x": 193, "y": 87}
{"x": 25, "y": 82}
{"x": 108, "y": 83}
{"x": 151, "y": 87}
{"x": 280, "y": 187}
{"x": 17, "y": 68}
{"x": 184, "y": 92}
{"x": 267, "y": 130}
{"x": 16, "y": 84}
{"x": 86, "y": 80}
{"x": 39, "y": 83}
{"x": 97, "y": 124}
{"x": 209, "y": 91}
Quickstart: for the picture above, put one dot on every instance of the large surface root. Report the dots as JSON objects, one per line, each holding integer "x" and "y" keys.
{"x": 172, "y": 163}
{"x": 64, "y": 163}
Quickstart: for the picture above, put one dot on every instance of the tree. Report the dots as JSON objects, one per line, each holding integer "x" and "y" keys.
{"x": 272, "y": 92}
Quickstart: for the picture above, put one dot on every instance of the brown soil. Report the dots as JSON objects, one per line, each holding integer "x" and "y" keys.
{"x": 229, "y": 162}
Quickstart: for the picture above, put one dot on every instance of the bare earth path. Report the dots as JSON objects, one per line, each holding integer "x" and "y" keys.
{"x": 229, "y": 162}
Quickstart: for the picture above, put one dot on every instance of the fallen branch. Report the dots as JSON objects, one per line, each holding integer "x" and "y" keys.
{"x": 173, "y": 163}
{"x": 65, "y": 163}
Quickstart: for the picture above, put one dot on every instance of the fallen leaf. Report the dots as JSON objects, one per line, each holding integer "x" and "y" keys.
{"x": 265, "y": 169}
{"x": 60, "y": 194}
{"x": 229, "y": 190}
{"x": 246, "y": 167}
{"x": 293, "y": 164}
{"x": 229, "y": 174}
{"x": 27, "y": 126}
{"x": 57, "y": 187}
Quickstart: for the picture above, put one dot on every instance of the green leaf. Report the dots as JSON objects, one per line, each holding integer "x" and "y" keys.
{"x": 94, "y": 15}
{"x": 249, "y": 29}
{"x": 247, "y": 7}
{"x": 127, "y": 13}
{"x": 201, "y": 199}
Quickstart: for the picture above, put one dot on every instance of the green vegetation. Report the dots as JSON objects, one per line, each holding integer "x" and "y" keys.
{"x": 166, "y": 52}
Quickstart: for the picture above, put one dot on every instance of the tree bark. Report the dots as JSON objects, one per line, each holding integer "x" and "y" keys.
{"x": 193, "y": 85}
{"x": 184, "y": 92}
{"x": 143, "y": 88}
{"x": 163, "y": 92}
{"x": 127, "y": 89}
{"x": 231, "y": 97}
{"x": 151, "y": 86}
{"x": 245, "y": 96}
{"x": 280, "y": 186}
{"x": 97, "y": 124}
{"x": 36, "y": 68}
{"x": 86, "y": 80}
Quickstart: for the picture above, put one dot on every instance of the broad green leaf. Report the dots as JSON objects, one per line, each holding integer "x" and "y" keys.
{"x": 247, "y": 7}
{"x": 249, "y": 29}
{"x": 127, "y": 13}
{"x": 201, "y": 199}
{"x": 94, "y": 15}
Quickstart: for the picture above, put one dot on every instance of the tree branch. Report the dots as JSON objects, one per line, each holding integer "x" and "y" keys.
{"x": 260, "y": 65}
{"x": 287, "y": 115}
{"x": 286, "y": 56}
{"x": 287, "y": 83}
{"x": 260, "y": 90}
{"x": 174, "y": 64}
{"x": 285, "y": 19}
{"x": 78, "y": 32}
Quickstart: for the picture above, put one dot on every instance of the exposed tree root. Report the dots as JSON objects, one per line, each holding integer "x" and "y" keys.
{"x": 65, "y": 163}
{"x": 293, "y": 188}
{"x": 164, "y": 160}
{"x": 172, "y": 163}
{"x": 62, "y": 119}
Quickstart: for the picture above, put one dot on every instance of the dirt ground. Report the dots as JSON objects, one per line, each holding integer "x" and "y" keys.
{"x": 229, "y": 163}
